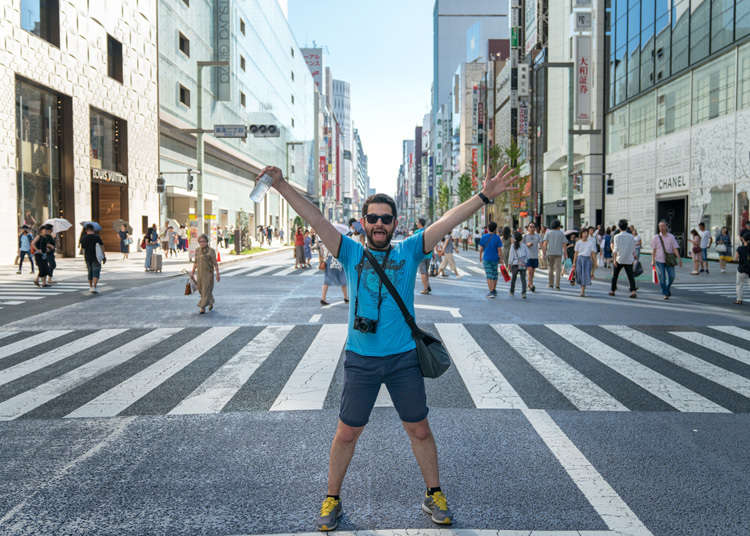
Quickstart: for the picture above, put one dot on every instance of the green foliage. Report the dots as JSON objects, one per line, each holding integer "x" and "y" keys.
{"x": 465, "y": 189}
{"x": 512, "y": 200}
{"x": 298, "y": 222}
{"x": 242, "y": 223}
{"x": 444, "y": 197}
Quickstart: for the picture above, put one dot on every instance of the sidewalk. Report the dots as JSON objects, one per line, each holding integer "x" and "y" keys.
{"x": 134, "y": 266}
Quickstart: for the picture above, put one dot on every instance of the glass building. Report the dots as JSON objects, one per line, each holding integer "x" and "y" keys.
{"x": 678, "y": 97}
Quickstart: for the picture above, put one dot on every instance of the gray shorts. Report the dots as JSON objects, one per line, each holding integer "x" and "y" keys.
{"x": 362, "y": 378}
{"x": 424, "y": 267}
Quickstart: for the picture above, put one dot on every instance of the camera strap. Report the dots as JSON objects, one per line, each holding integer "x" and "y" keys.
{"x": 378, "y": 269}
{"x": 394, "y": 294}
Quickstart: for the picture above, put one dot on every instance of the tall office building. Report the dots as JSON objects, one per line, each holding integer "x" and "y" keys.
{"x": 341, "y": 101}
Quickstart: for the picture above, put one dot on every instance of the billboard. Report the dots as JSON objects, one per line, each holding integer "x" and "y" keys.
{"x": 223, "y": 23}
{"x": 584, "y": 79}
{"x": 418, "y": 162}
{"x": 314, "y": 60}
{"x": 531, "y": 25}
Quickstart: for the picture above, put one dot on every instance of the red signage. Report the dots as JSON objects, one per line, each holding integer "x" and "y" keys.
{"x": 474, "y": 166}
{"x": 323, "y": 174}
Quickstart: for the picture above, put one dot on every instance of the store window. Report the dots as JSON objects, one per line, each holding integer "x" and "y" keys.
{"x": 38, "y": 151}
{"x": 114, "y": 58}
{"x": 680, "y": 34}
{"x": 107, "y": 142}
{"x": 673, "y": 106}
{"x": 617, "y": 130}
{"x": 699, "y": 34}
{"x": 717, "y": 213}
{"x": 743, "y": 95}
{"x": 714, "y": 89}
{"x": 642, "y": 126}
{"x": 42, "y": 18}
{"x": 722, "y": 22}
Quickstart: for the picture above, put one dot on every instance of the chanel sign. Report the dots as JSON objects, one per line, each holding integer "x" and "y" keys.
{"x": 673, "y": 183}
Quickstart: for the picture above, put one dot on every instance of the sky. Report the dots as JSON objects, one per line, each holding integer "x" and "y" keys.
{"x": 383, "y": 48}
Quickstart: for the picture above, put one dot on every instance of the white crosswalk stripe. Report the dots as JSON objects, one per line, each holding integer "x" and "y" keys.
{"x": 20, "y": 291}
{"x": 315, "y": 370}
{"x": 263, "y": 271}
{"x": 218, "y": 389}
{"x": 126, "y": 393}
{"x": 669, "y": 391}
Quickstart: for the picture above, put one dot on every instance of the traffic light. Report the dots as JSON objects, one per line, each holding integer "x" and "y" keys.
{"x": 160, "y": 184}
{"x": 189, "y": 181}
{"x": 264, "y": 131}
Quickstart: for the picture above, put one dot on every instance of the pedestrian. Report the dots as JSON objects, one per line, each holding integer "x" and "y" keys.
{"x": 183, "y": 238}
{"x": 624, "y": 257}
{"x": 553, "y": 247}
{"x": 219, "y": 238}
{"x": 41, "y": 246}
{"x": 334, "y": 274}
{"x": 51, "y": 262}
{"x": 583, "y": 260}
{"x": 424, "y": 266}
{"x": 164, "y": 241}
{"x": 724, "y": 248}
{"x": 152, "y": 242}
{"x": 172, "y": 241}
{"x": 706, "y": 241}
{"x": 570, "y": 253}
{"x": 607, "y": 247}
{"x": 665, "y": 255}
{"x": 456, "y": 237}
{"x": 532, "y": 241}
{"x": 299, "y": 249}
{"x": 93, "y": 255}
{"x": 307, "y": 247}
{"x": 208, "y": 268}
{"x": 518, "y": 261}
{"x": 465, "y": 234}
{"x": 379, "y": 345}
{"x": 281, "y": 236}
{"x": 696, "y": 252}
{"x": 597, "y": 236}
{"x": 742, "y": 256}
{"x": 477, "y": 238}
{"x": 637, "y": 241}
{"x": 124, "y": 241}
{"x": 269, "y": 235}
{"x": 24, "y": 248}
{"x": 447, "y": 248}
{"x": 543, "y": 264}
{"x": 507, "y": 239}
{"x": 491, "y": 248}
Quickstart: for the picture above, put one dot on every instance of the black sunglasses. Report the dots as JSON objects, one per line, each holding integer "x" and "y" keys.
{"x": 373, "y": 218}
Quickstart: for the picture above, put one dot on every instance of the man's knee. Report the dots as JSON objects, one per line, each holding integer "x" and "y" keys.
{"x": 418, "y": 431}
{"x": 347, "y": 434}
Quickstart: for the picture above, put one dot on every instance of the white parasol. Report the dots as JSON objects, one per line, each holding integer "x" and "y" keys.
{"x": 58, "y": 224}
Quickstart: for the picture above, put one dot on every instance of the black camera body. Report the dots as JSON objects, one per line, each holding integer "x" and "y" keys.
{"x": 365, "y": 325}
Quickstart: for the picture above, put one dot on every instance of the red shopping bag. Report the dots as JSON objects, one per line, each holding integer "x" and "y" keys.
{"x": 504, "y": 272}
{"x": 572, "y": 276}
{"x": 654, "y": 275}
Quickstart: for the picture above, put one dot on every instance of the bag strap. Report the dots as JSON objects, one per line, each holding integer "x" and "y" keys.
{"x": 664, "y": 247}
{"x": 393, "y": 292}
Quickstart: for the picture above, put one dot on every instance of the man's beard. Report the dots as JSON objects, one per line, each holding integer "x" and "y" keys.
{"x": 379, "y": 245}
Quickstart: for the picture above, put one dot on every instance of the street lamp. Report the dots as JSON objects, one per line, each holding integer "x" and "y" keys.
{"x": 199, "y": 148}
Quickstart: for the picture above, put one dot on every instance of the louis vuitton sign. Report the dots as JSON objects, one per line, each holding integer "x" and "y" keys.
{"x": 107, "y": 176}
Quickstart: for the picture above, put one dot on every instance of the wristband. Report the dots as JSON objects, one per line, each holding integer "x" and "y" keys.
{"x": 486, "y": 200}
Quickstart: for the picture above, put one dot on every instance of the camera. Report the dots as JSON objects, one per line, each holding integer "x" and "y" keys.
{"x": 365, "y": 325}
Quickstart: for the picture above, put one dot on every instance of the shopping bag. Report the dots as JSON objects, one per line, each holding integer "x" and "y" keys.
{"x": 188, "y": 290}
{"x": 504, "y": 272}
{"x": 572, "y": 276}
{"x": 637, "y": 269}
{"x": 655, "y": 276}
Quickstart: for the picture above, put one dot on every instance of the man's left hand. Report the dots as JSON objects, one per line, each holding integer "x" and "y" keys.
{"x": 502, "y": 182}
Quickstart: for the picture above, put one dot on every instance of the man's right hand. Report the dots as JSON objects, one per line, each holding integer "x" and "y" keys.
{"x": 275, "y": 173}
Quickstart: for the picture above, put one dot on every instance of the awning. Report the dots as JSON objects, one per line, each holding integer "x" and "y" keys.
{"x": 176, "y": 191}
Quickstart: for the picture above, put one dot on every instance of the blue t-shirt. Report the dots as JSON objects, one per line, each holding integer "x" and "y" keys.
{"x": 490, "y": 242}
{"x": 429, "y": 255}
{"x": 393, "y": 336}
{"x": 25, "y": 242}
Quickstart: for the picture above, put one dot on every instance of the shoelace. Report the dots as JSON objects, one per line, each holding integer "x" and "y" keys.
{"x": 440, "y": 500}
{"x": 329, "y": 504}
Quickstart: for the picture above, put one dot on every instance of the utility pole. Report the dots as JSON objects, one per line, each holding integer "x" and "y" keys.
{"x": 199, "y": 148}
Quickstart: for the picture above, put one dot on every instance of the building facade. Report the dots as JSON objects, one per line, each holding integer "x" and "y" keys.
{"x": 678, "y": 118}
{"x": 267, "y": 83}
{"x": 79, "y": 84}
{"x": 341, "y": 100}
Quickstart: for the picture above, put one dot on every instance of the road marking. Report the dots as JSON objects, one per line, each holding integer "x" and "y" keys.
{"x": 307, "y": 387}
{"x": 333, "y": 304}
{"x": 671, "y": 392}
{"x": 475, "y": 270}
{"x": 698, "y": 366}
{"x": 218, "y": 389}
{"x": 384, "y": 398}
{"x": 21, "y": 297}
{"x": 459, "y": 532}
{"x": 262, "y": 271}
{"x": 18, "y": 346}
{"x": 33, "y": 398}
{"x": 57, "y": 354}
{"x": 733, "y": 331}
{"x": 230, "y": 272}
{"x": 17, "y": 302}
{"x": 315, "y": 318}
{"x": 719, "y": 346}
{"x": 582, "y": 392}
{"x": 486, "y": 384}
{"x": 608, "y": 504}
{"x": 454, "y": 311}
{"x": 465, "y": 258}
{"x": 310, "y": 271}
{"x": 286, "y": 271}
{"x": 4, "y": 334}
{"x": 122, "y": 395}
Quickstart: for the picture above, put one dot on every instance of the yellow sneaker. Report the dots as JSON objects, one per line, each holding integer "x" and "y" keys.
{"x": 330, "y": 513}
{"x": 437, "y": 506}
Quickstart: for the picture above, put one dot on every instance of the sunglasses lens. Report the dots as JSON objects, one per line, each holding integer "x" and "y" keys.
{"x": 387, "y": 219}
{"x": 373, "y": 218}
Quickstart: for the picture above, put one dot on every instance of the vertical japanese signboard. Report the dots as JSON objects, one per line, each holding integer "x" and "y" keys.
{"x": 314, "y": 60}
{"x": 223, "y": 22}
{"x": 475, "y": 115}
{"x": 474, "y": 166}
{"x": 584, "y": 79}
{"x": 418, "y": 162}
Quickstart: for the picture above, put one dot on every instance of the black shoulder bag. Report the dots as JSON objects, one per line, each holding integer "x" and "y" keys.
{"x": 432, "y": 355}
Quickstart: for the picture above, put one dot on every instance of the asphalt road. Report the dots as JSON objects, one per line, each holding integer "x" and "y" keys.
{"x": 129, "y": 413}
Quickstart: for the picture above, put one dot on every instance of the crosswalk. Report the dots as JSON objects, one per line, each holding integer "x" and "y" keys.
{"x": 116, "y": 372}
{"x": 275, "y": 270}
{"x": 17, "y": 291}
{"x": 725, "y": 290}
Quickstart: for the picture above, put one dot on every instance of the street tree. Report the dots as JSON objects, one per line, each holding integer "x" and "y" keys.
{"x": 465, "y": 188}
{"x": 444, "y": 198}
